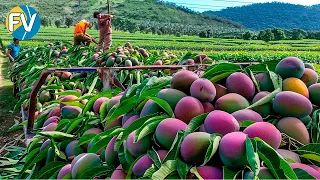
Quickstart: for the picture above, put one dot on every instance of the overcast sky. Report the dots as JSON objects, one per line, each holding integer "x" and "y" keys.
{"x": 204, "y": 5}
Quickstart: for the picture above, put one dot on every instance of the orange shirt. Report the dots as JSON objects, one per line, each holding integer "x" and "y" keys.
{"x": 81, "y": 28}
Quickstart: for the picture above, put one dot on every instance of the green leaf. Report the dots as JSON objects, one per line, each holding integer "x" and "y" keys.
{"x": 155, "y": 157}
{"x": 315, "y": 127}
{"x": 73, "y": 124}
{"x": 56, "y": 135}
{"x": 221, "y": 68}
{"x": 25, "y": 91}
{"x": 122, "y": 158}
{"x": 69, "y": 92}
{"x": 148, "y": 93}
{"x": 74, "y": 103}
{"x": 183, "y": 168}
{"x": 103, "y": 141}
{"x": 275, "y": 163}
{"x": 167, "y": 168}
{"x": 62, "y": 124}
{"x": 85, "y": 139}
{"x": 229, "y": 174}
{"x": 129, "y": 173}
{"x": 175, "y": 148}
{"x": 91, "y": 173}
{"x": 195, "y": 123}
{"x": 134, "y": 126}
{"x": 276, "y": 80}
{"x": 164, "y": 105}
{"x": 103, "y": 110}
{"x": 34, "y": 142}
{"x": 57, "y": 151}
{"x": 19, "y": 103}
{"x": 219, "y": 77}
{"x": 51, "y": 87}
{"x": 312, "y": 148}
{"x": 251, "y": 157}
{"x": 42, "y": 155}
{"x": 49, "y": 169}
{"x": 213, "y": 147}
{"x": 265, "y": 99}
{"x": 32, "y": 154}
{"x": 149, "y": 172}
{"x": 148, "y": 127}
{"x": 195, "y": 172}
{"x": 120, "y": 109}
{"x": 246, "y": 123}
{"x": 93, "y": 84}
{"x": 107, "y": 93}
{"x": 313, "y": 157}
{"x": 302, "y": 174}
{"x": 254, "y": 80}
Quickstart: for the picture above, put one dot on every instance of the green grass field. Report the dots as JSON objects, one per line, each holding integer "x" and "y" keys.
{"x": 219, "y": 49}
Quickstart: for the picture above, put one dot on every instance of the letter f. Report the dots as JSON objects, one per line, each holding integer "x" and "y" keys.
{"x": 12, "y": 22}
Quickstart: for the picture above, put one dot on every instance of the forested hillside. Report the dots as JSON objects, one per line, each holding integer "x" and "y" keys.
{"x": 268, "y": 15}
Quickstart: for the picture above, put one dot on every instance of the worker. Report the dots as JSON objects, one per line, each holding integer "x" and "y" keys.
{"x": 80, "y": 35}
{"x": 13, "y": 50}
{"x": 105, "y": 27}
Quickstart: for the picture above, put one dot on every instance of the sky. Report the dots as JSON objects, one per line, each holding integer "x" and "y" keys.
{"x": 204, "y": 5}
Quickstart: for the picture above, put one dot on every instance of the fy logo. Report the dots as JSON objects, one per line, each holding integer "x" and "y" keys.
{"x": 23, "y": 22}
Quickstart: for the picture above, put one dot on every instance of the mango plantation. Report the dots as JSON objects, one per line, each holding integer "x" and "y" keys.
{"x": 134, "y": 113}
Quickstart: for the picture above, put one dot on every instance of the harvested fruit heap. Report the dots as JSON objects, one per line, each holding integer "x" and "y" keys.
{"x": 233, "y": 122}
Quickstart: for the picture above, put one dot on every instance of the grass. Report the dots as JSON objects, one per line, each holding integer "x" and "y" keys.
{"x": 7, "y": 103}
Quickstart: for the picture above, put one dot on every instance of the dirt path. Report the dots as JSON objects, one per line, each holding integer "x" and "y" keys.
{"x": 7, "y": 103}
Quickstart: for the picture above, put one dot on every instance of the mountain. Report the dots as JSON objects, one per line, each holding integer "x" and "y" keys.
{"x": 268, "y": 15}
{"x": 146, "y": 10}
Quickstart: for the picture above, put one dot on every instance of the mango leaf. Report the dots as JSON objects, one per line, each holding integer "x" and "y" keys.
{"x": 107, "y": 93}
{"x": 251, "y": 157}
{"x": 164, "y": 105}
{"x": 134, "y": 126}
{"x": 74, "y": 103}
{"x": 229, "y": 174}
{"x": 254, "y": 80}
{"x": 62, "y": 124}
{"x": 129, "y": 158}
{"x": 122, "y": 108}
{"x": 148, "y": 93}
{"x": 148, "y": 127}
{"x": 167, "y": 168}
{"x": 93, "y": 84}
{"x": 195, "y": 123}
{"x": 312, "y": 148}
{"x": 51, "y": 87}
{"x": 56, "y": 135}
{"x": 25, "y": 91}
{"x": 155, "y": 157}
{"x": 221, "y": 68}
{"x": 313, "y": 157}
{"x": 149, "y": 172}
{"x": 73, "y": 124}
{"x": 315, "y": 127}
{"x": 49, "y": 169}
{"x": 196, "y": 173}
{"x": 103, "y": 110}
{"x": 175, "y": 148}
{"x": 93, "y": 172}
{"x": 42, "y": 155}
{"x": 276, "y": 80}
{"x": 302, "y": 174}
{"x": 19, "y": 103}
{"x": 213, "y": 147}
{"x": 103, "y": 142}
{"x": 275, "y": 163}
{"x": 246, "y": 123}
{"x": 182, "y": 168}
{"x": 57, "y": 151}
{"x": 122, "y": 159}
{"x": 257, "y": 68}
{"x": 219, "y": 77}
{"x": 110, "y": 132}
{"x": 32, "y": 155}
{"x": 129, "y": 173}
{"x": 265, "y": 99}
{"x": 130, "y": 92}
{"x": 69, "y": 92}
{"x": 34, "y": 142}
{"x": 85, "y": 139}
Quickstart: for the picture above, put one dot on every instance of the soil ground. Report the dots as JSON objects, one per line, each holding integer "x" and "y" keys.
{"x": 7, "y": 103}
